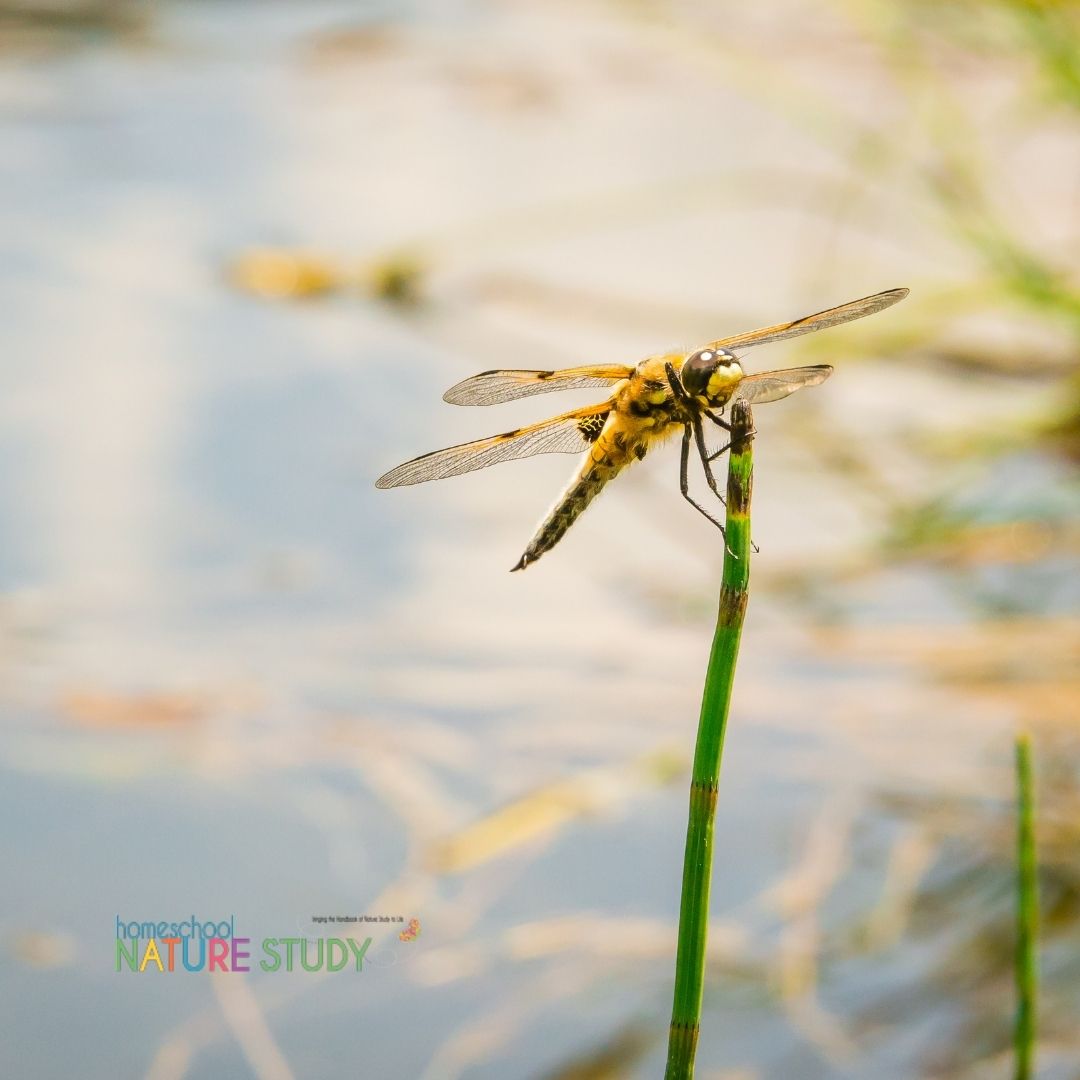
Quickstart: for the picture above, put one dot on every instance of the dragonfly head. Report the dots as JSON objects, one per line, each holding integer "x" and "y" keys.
{"x": 712, "y": 374}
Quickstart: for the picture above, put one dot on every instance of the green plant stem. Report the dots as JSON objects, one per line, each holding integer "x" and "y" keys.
{"x": 716, "y": 697}
{"x": 1027, "y": 912}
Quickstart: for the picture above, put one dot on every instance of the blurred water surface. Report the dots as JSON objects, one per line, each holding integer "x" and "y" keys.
{"x": 237, "y": 679}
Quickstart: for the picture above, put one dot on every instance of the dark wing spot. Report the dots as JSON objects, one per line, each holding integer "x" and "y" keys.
{"x": 591, "y": 426}
{"x": 542, "y": 375}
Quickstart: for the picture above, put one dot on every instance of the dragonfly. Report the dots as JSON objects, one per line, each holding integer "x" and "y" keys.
{"x": 648, "y": 403}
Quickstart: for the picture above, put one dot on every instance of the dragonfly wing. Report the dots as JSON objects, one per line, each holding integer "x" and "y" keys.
{"x": 774, "y": 385}
{"x": 495, "y": 387}
{"x": 570, "y": 433}
{"x": 856, "y": 309}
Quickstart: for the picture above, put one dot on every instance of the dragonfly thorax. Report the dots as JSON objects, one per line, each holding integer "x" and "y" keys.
{"x": 712, "y": 374}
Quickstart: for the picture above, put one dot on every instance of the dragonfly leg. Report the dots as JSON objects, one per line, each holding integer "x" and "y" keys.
{"x": 677, "y": 388}
{"x": 706, "y": 461}
{"x": 684, "y": 482}
{"x": 727, "y": 446}
{"x": 703, "y": 453}
{"x": 718, "y": 420}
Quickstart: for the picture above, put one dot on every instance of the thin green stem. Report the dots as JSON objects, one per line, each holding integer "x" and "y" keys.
{"x": 1027, "y": 912}
{"x": 697, "y": 863}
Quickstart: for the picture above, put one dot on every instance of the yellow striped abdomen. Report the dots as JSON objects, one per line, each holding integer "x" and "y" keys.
{"x": 603, "y": 462}
{"x": 643, "y": 413}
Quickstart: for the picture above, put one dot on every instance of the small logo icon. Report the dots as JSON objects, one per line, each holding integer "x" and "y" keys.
{"x": 411, "y": 932}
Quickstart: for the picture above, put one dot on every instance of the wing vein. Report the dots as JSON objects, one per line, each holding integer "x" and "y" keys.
{"x": 569, "y": 433}
{"x": 495, "y": 387}
{"x": 809, "y": 324}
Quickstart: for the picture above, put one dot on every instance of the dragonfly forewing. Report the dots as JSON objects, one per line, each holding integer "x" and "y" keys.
{"x": 809, "y": 324}
{"x": 495, "y": 387}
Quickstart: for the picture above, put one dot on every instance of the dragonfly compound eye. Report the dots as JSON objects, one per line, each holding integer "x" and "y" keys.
{"x": 699, "y": 368}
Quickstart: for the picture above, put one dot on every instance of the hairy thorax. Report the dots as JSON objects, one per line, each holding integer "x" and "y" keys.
{"x": 647, "y": 397}
{"x": 645, "y": 411}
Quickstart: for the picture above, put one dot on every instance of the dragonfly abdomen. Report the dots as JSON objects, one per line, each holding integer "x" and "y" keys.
{"x": 602, "y": 464}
